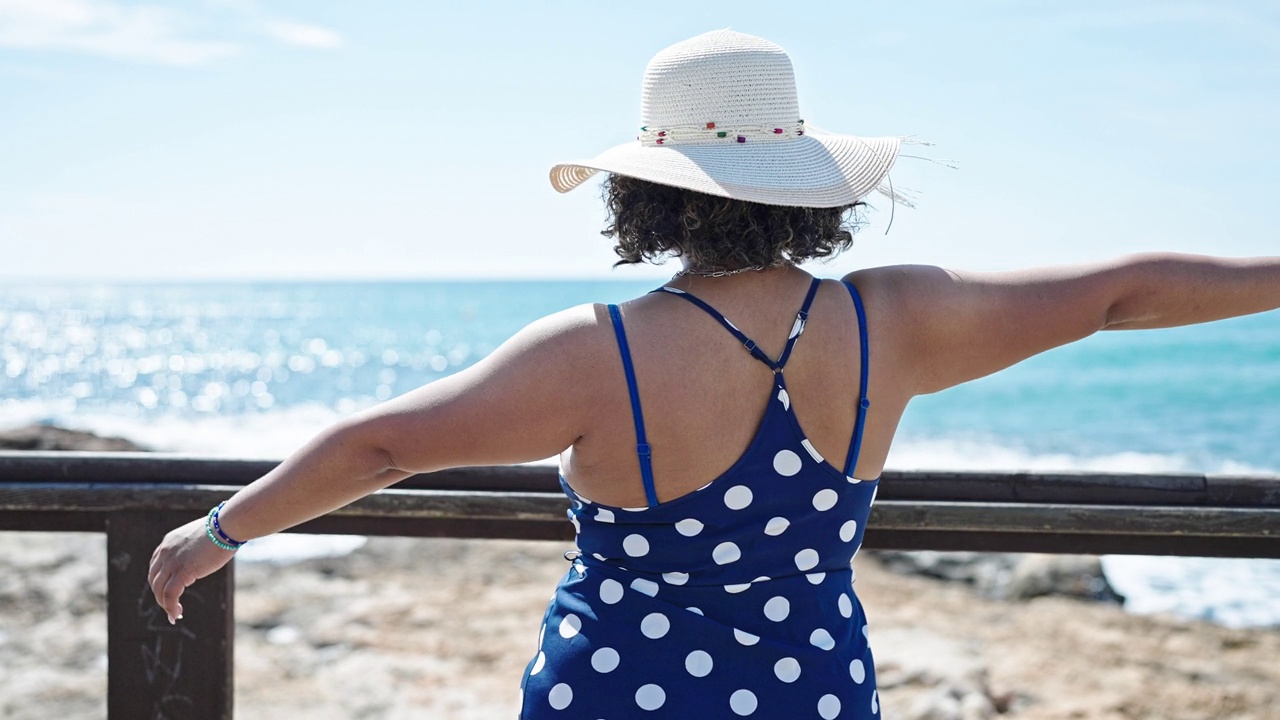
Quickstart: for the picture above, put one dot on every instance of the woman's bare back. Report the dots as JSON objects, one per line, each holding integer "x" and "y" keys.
{"x": 703, "y": 394}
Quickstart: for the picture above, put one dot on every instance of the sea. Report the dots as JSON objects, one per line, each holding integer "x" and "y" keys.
{"x": 254, "y": 369}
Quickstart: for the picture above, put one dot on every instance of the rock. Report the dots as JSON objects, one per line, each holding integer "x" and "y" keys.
{"x": 1071, "y": 575}
{"x": 51, "y": 437}
{"x": 1007, "y": 576}
{"x": 986, "y": 572}
{"x": 941, "y": 704}
{"x": 976, "y": 706}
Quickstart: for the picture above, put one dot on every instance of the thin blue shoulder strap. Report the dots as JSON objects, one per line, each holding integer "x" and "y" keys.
{"x": 855, "y": 447}
{"x": 747, "y": 342}
{"x": 756, "y": 352}
{"x": 801, "y": 318}
{"x": 642, "y": 444}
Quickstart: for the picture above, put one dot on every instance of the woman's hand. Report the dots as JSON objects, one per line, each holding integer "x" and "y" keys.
{"x": 184, "y": 556}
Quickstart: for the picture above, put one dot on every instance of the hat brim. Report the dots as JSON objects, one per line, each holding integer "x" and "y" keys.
{"x": 816, "y": 170}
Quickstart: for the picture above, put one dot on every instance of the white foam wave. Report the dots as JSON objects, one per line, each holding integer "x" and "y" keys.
{"x": 970, "y": 454}
{"x": 1237, "y": 592}
{"x": 269, "y": 435}
{"x": 289, "y": 548}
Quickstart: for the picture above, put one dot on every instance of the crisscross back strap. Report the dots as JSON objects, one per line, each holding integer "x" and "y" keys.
{"x": 796, "y": 328}
{"x": 642, "y": 443}
{"x": 855, "y": 446}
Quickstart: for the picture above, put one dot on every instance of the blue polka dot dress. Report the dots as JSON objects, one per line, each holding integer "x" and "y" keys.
{"x": 734, "y": 600}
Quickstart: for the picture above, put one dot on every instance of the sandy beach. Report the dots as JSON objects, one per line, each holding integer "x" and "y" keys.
{"x": 407, "y": 628}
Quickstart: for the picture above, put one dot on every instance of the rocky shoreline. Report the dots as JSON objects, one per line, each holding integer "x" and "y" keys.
{"x": 442, "y": 628}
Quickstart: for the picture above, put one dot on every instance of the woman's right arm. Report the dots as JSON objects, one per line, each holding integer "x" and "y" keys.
{"x": 953, "y": 327}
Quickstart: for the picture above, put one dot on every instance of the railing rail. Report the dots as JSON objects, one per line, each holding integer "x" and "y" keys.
{"x": 159, "y": 671}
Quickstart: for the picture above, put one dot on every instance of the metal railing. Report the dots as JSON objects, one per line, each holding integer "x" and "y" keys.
{"x": 160, "y": 671}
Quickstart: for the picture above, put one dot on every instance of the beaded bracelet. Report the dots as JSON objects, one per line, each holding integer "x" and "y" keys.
{"x": 214, "y": 531}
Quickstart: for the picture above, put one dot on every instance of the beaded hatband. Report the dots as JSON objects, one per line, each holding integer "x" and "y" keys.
{"x": 710, "y": 133}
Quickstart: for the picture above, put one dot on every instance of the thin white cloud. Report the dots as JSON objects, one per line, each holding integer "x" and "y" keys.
{"x": 141, "y": 32}
{"x": 312, "y": 36}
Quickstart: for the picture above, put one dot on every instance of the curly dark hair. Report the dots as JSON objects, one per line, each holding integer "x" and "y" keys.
{"x": 652, "y": 222}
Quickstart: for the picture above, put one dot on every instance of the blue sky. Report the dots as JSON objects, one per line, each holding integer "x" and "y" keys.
{"x": 242, "y": 139}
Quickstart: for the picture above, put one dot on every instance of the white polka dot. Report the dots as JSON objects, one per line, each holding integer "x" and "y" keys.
{"x": 580, "y": 569}
{"x": 807, "y": 559}
{"x": 777, "y": 608}
{"x": 745, "y": 638}
{"x": 853, "y": 480}
{"x": 650, "y": 697}
{"x": 725, "y": 553}
{"x": 655, "y": 625}
{"x": 610, "y": 591}
{"x": 821, "y": 639}
{"x": 875, "y": 701}
{"x": 538, "y": 662}
{"x": 635, "y": 545}
{"x": 648, "y": 587}
{"x": 698, "y": 663}
{"x": 857, "y": 671}
{"x": 776, "y": 526}
{"x": 785, "y": 399}
{"x": 604, "y": 660}
{"x": 737, "y": 588}
{"x": 676, "y": 578}
{"x": 688, "y": 527}
{"x": 762, "y": 578}
{"x": 816, "y": 578}
{"x": 787, "y": 669}
{"x": 599, "y": 557}
{"x": 813, "y": 451}
{"x": 846, "y": 605}
{"x": 849, "y": 530}
{"x": 825, "y": 499}
{"x": 786, "y": 463}
{"x": 636, "y": 509}
{"x": 737, "y": 497}
{"x": 570, "y": 626}
{"x": 694, "y": 610}
{"x": 576, "y": 527}
{"x": 742, "y": 702}
{"x": 603, "y": 515}
{"x": 864, "y": 633}
{"x": 829, "y": 707}
{"x": 560, "y": 696}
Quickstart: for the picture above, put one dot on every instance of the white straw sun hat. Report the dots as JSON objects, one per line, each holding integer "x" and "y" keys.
{"x": 720, "y": 116}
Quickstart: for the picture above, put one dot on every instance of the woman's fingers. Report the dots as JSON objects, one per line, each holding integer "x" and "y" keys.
{"x": 170, "y": 594}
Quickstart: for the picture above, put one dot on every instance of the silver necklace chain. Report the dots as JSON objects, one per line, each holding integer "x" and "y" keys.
{"x": 720, "y": 273}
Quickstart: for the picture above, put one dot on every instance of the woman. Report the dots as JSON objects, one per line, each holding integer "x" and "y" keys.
{"x": 720, "y": 472}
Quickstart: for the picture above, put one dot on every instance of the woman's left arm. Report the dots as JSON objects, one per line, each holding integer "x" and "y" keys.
{"x": 514, "y": 406}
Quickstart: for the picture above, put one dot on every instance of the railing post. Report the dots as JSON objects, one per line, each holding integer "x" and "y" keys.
{"x": 158, "y": 671}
